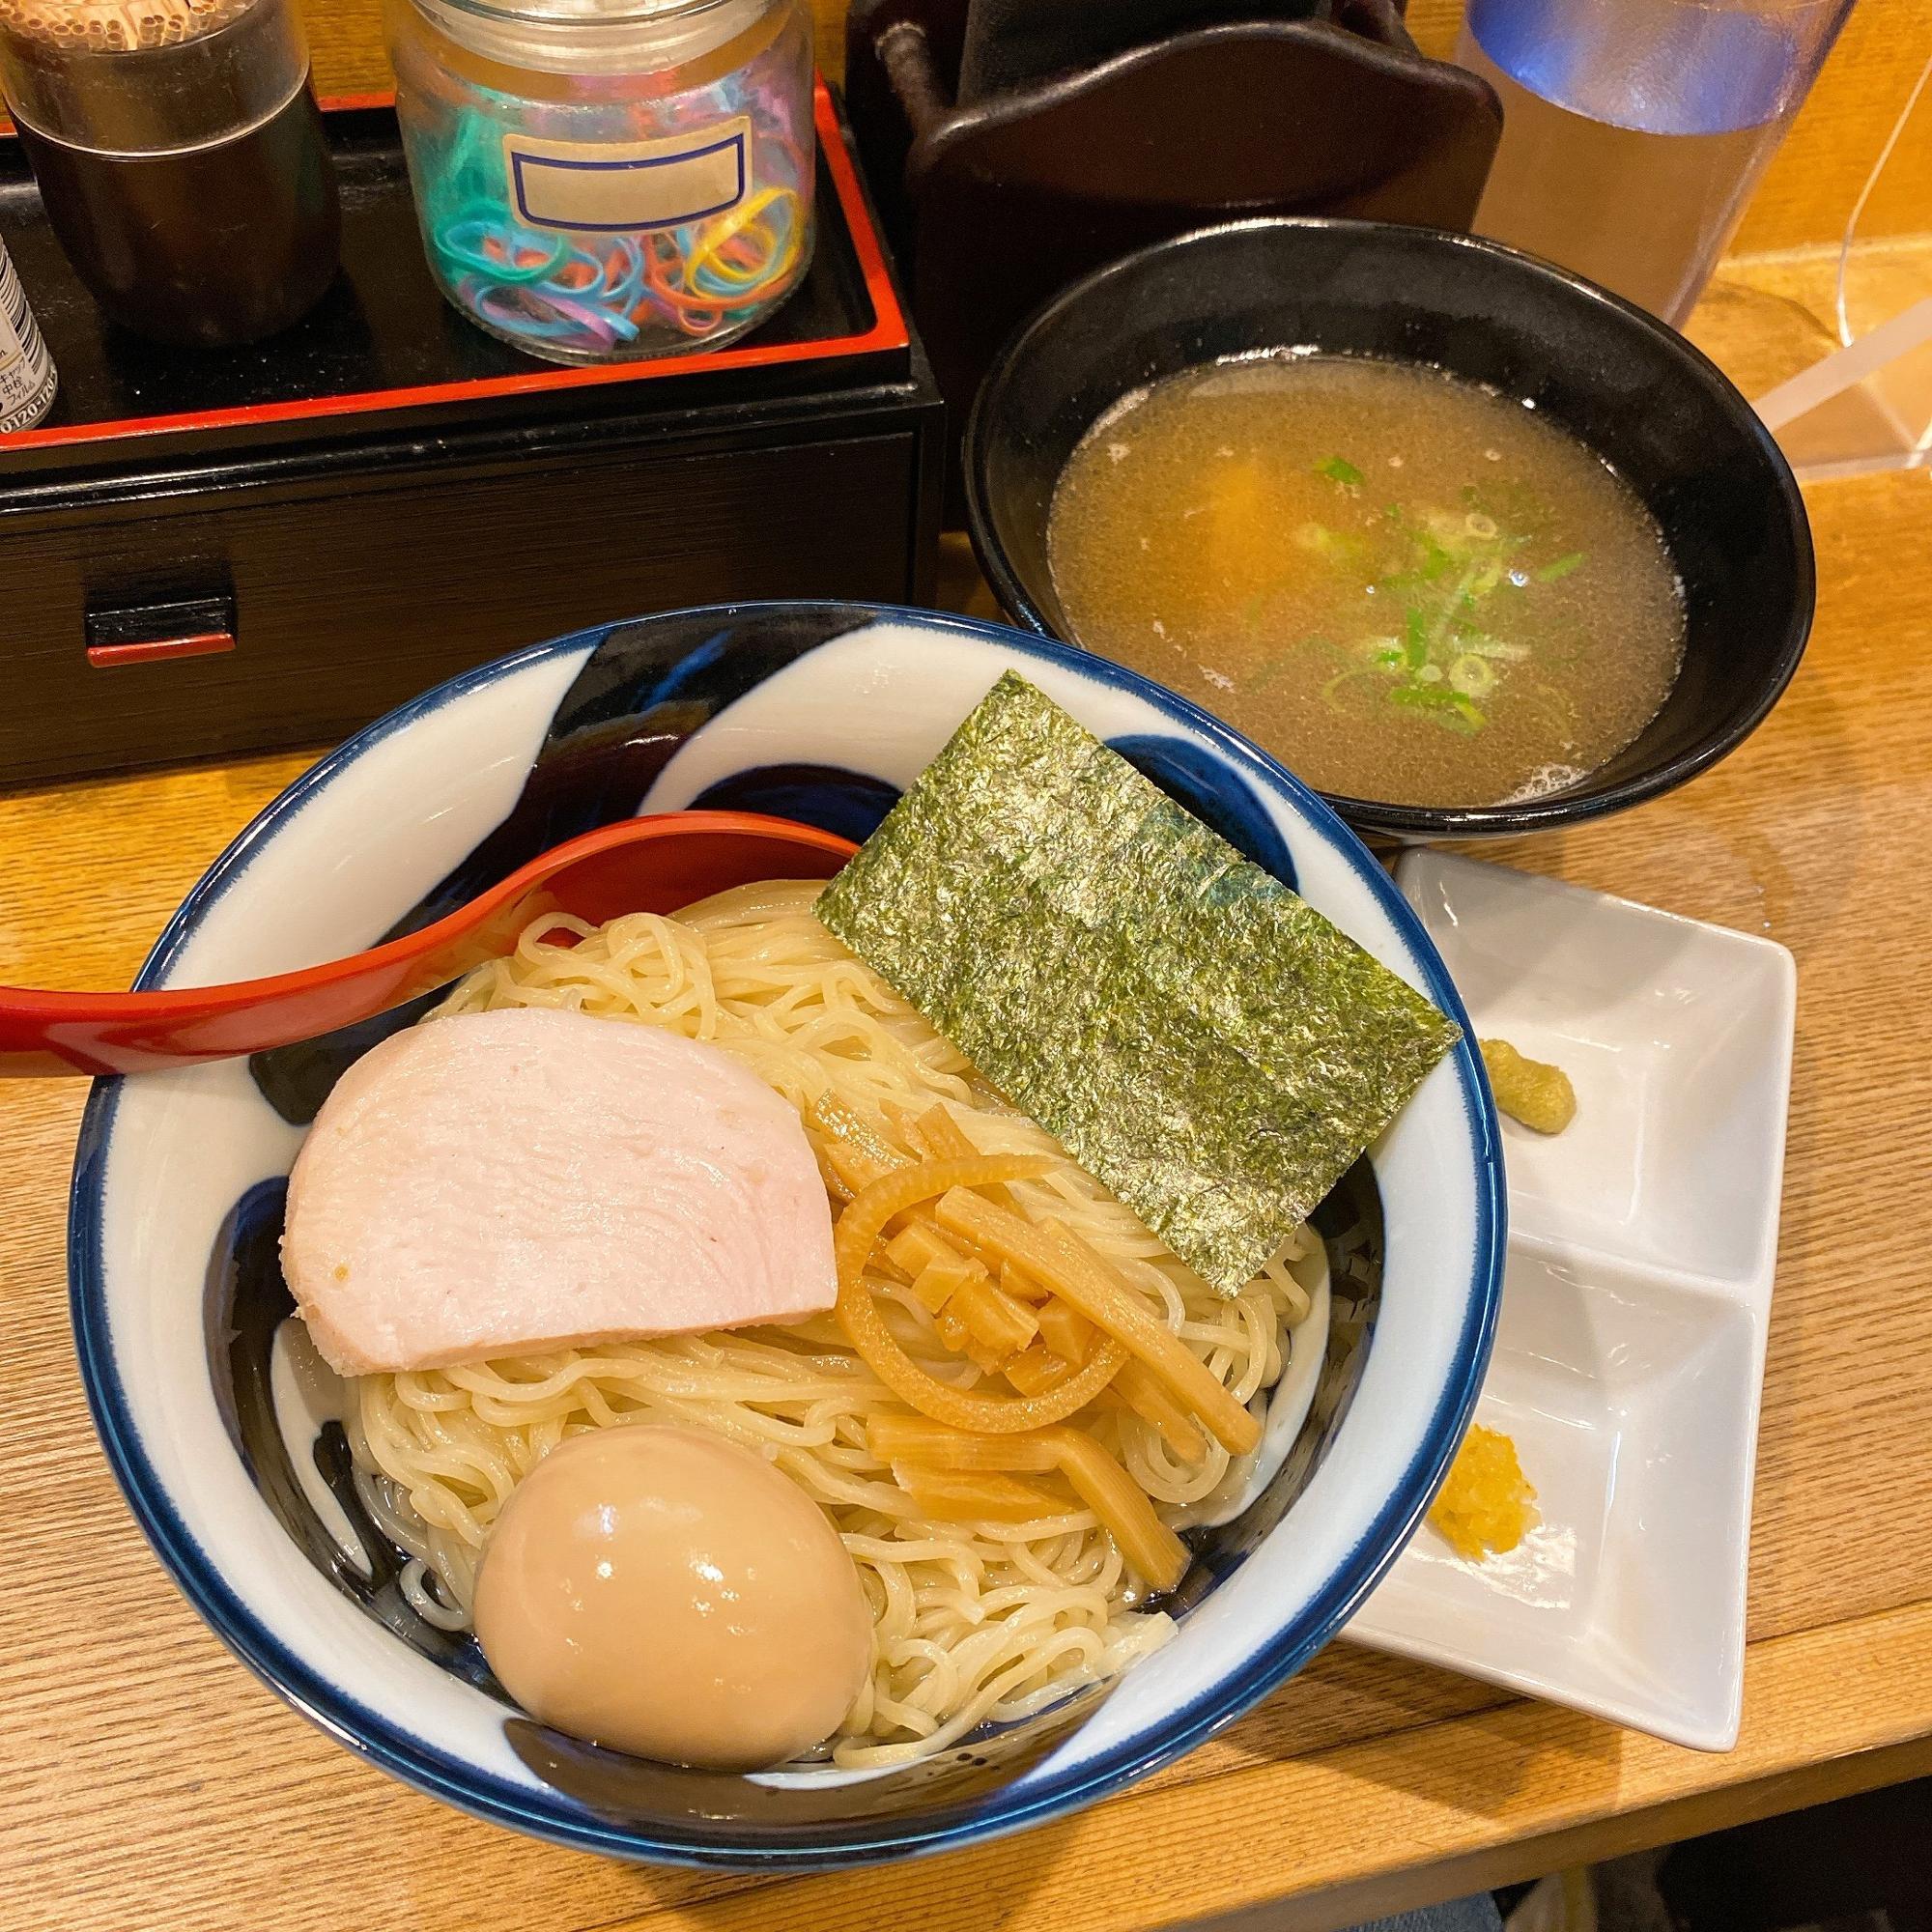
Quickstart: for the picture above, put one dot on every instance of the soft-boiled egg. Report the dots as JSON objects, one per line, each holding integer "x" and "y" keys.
{"x": 665, "y": 1592}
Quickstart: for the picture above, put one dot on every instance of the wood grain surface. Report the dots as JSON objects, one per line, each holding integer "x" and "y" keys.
{"x": 151, "y": 1783}
{"x": 1805, "y": 196}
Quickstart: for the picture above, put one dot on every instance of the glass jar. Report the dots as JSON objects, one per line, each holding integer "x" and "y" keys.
{"x": 180, "y": 156}
{"x": 597, "y": 180}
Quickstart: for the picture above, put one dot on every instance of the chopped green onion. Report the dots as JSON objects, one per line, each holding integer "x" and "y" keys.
{"x": 1417, "y": 646}
{"x": 1338, "y": 470}
{"x": 1471, "y": 676}
{"x": 1562, "y": 567}
{"x": 1447, "y": 708}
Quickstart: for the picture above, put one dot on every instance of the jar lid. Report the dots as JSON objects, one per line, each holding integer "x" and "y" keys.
{"x": 579, "y": 13}
{"x": 593, "y": 36}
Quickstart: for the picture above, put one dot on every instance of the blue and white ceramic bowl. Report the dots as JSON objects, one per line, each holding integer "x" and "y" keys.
{"x": 820, "y": 712}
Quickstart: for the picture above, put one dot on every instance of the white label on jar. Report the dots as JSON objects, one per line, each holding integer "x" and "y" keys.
{"x": 27, "y": 378}
{"x": 620, "y": 187}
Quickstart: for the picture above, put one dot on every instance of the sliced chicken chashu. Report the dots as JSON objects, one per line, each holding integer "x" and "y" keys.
{"x": 508, "y": 1182}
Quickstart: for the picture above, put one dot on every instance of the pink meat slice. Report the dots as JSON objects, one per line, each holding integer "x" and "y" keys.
{"x": 501, "y": 1183}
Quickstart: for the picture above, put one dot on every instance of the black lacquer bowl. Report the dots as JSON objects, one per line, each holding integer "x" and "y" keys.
{"x": 1664, "y": 415}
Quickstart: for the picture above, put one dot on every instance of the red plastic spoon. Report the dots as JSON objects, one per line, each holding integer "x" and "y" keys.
{"x": 640, "y": 865}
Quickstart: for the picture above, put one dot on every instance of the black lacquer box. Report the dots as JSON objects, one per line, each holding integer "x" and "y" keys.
{"x": 212, "y": 551}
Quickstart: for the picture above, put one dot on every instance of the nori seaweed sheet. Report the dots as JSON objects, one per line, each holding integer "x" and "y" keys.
{"x": 1198, "y": 1038}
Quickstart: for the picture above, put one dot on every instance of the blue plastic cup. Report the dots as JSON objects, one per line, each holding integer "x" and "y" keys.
{"x": 1634, "y": 130}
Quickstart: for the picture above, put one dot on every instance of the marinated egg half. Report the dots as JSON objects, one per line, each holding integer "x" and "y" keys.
{"x": 668, "y": 1593}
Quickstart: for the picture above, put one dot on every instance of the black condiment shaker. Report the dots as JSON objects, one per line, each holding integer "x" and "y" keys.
{"x": 180, "y": 156}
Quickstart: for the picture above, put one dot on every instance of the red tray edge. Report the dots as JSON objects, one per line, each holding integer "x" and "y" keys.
{"x": 887, "y": 332}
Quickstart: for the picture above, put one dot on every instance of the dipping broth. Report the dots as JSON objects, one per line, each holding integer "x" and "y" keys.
{"x": 1408, "y": 587}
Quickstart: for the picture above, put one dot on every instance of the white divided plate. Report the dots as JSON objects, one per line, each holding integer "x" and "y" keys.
{"x": 1630, "y": 1356}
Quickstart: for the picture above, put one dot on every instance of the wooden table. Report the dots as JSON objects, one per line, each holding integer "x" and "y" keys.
{"x": 150, "y": 1782}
